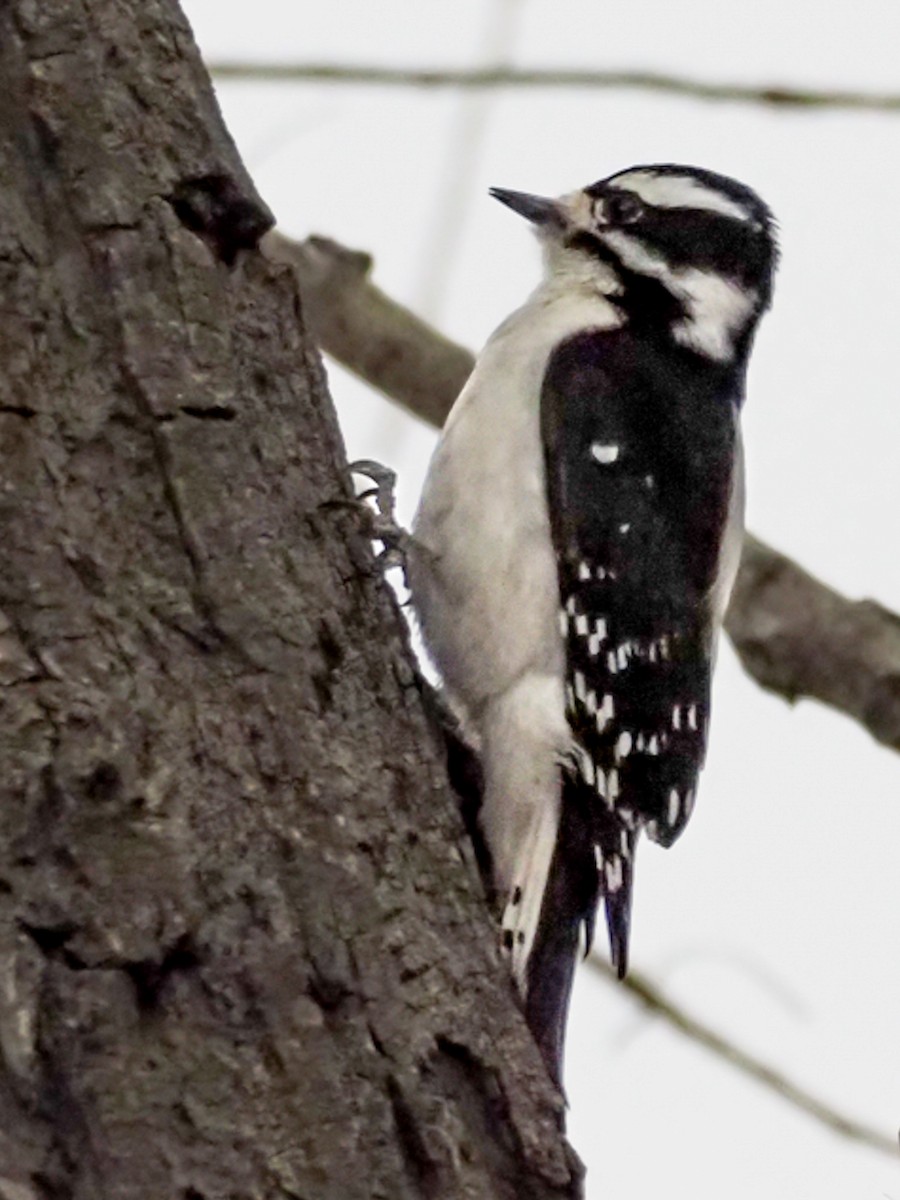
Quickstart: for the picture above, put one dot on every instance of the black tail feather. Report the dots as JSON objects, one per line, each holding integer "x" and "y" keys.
{"x": 570, "y": 902}
{"x": 618, "y": 921}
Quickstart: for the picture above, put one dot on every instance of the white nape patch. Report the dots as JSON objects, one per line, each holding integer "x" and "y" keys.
{"x": 584, "y": 571}
{"x": 604, "y": 454}
{"x": 680, "y": 191}
{"x": 717, "y": 308}
{"x": 623, "y": 745}
{"x": 674, "y": 806}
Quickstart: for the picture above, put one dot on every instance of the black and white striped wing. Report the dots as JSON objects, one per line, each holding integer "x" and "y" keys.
{"x": 640, "y": 452}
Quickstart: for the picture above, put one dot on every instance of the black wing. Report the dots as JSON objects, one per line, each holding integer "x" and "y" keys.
{"x": 640, "y": 447}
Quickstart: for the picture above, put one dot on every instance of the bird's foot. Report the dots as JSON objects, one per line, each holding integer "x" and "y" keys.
{"x": 381, "y": 522}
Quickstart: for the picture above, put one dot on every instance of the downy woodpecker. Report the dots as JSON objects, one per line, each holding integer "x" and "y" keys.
{"x": 577, "y": 540}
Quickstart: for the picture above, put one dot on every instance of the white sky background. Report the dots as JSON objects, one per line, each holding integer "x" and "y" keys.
{"x": 777, "y": 916}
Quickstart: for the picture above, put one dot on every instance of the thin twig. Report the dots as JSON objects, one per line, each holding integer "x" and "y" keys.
{"x": 646, "y": 993}
{"x": 794, "y": 635}
{"x": 522, "y": 77}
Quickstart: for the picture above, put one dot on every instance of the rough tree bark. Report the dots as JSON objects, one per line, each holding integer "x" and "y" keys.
{"x": 243, "y": 946}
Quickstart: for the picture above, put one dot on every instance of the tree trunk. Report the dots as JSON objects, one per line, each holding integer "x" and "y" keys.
{"x": 243, "y": 946}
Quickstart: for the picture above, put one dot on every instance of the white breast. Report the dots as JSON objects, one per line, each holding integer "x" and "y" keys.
{"x": 483, "y": 570}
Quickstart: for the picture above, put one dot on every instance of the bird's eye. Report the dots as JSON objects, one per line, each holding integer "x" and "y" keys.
{"x": 623, "y": 208}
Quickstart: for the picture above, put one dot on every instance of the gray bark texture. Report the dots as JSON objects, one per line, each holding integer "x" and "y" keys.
{"x": 244, "y": 949}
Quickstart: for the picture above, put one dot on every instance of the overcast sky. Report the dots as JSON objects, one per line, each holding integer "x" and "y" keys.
{"x": 777, "y": 916}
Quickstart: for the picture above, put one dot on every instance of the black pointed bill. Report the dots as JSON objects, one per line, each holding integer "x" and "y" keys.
{"x": 540, "y": 210}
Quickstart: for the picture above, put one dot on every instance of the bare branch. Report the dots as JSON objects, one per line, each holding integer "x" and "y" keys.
{"x": 794, "y": 635}
{"x": 797, "y": 637}
{"x": 522, "y": 77}
{"x": 641, "y": 989}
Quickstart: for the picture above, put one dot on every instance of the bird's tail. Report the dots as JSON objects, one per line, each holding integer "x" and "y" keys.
{"x": 566, "y": 922}
{"x": 614, "y": 844}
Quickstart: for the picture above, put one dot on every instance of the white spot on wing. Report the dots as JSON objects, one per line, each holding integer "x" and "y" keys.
{"x": 586, "y": 764}
{"x": 623, "y": 745}
{"x": 674, "y": 806}
{"x": 581, "y": 625}
{"x": 584, "y": 571}
{"x": 604, "y": 454}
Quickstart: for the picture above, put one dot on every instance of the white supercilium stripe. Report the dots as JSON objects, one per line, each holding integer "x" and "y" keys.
{"x": 680, "y": 191}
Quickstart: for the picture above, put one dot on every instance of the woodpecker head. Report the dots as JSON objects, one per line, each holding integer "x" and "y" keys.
{"x": 678, "y": 248}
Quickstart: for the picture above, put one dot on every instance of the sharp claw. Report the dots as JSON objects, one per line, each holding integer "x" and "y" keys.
{"x": 382, "y": 525}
